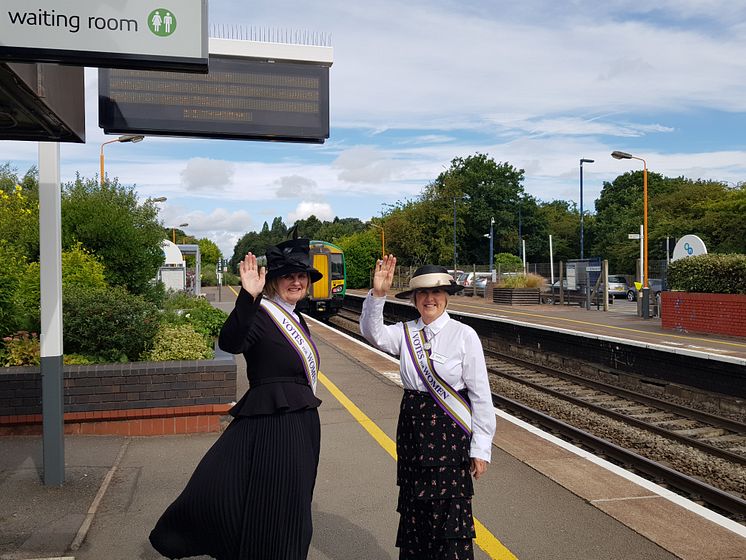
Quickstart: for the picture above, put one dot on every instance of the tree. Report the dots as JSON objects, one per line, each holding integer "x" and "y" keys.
{"x": 479, "y": 189}
{"x": 209, "y": 251}
{"x": 309, "y": 228}
{"x": 361, "y": 251}
{"x": 19, "y": 220}
{"x": 563, "y": 223}
{"x": 108, "y": 221}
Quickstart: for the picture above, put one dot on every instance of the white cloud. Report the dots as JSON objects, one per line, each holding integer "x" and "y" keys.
{"x": 305, "y": 209}
{"x": 365, "y": 164}
{"x": 295, "y": 186}
{"x": 201, "y": 173}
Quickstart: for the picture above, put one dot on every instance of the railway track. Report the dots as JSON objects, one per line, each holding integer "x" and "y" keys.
{"x": 699, "y": 455}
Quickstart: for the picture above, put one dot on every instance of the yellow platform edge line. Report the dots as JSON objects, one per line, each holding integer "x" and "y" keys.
{"x": 485, "y": 540}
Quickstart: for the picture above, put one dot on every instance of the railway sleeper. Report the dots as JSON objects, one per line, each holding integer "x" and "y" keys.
{"x": 703, "y": 432}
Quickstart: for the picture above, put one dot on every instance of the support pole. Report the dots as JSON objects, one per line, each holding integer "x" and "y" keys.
{"x": 50, "y": 257}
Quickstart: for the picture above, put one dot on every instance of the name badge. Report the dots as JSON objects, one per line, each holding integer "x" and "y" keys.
{"x": 438, "y": 358}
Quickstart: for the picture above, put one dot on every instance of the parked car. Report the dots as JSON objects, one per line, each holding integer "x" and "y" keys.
{"x": 656, "y": 287}
{"x": 468, "y": 279}
{"x": 618, "y": 286}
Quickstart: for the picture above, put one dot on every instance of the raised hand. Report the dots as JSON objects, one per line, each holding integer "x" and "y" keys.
{"x": 252, "y": 277}
{"x": 383, "y": 275}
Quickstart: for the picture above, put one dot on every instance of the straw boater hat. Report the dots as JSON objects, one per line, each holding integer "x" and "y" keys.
{"x": 430, "y": 276}
{"x": 288, "y": 257}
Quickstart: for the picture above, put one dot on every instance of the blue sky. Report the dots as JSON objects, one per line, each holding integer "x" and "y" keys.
{"x": 539, "y": 84}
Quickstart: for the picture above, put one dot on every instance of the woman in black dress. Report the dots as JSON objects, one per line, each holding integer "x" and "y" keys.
{"x": 446, "y": 419}
{"x": 250, "y": 496}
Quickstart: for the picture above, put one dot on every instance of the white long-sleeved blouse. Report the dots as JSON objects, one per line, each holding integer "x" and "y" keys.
{"x": 457, "y": 356}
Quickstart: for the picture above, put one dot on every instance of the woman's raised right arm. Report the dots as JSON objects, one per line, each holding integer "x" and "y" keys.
{"x": 384, "y": 337}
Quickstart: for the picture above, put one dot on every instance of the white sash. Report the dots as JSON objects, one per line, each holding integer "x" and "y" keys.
{"x": 297, "y": 337}
{"x": 446, "y": 396}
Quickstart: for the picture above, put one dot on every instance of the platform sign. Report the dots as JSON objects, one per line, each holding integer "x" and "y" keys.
{"x": 148, "y": 34}
{"x": 240, "y": 98}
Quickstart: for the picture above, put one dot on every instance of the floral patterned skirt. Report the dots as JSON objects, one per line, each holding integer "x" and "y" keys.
{"x": 435, "y": 486}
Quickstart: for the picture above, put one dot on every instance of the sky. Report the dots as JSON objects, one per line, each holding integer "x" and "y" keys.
{"x": 538, "y": 84}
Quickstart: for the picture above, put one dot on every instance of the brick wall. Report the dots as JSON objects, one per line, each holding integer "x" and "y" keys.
{"x": 125, "y": 393}
{"x": 705, "y": 313}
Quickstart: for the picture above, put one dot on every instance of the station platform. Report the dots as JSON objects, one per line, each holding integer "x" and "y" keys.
{"x": 619, "y": 322}
{"x": 540, "y": 499}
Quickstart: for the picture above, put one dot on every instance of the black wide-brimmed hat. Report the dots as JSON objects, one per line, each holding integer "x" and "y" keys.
{"x": 288, "y": 257}
{"x": 430, "y": 276}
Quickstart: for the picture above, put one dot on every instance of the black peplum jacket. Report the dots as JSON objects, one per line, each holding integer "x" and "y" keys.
{"x": 277, "y": 380}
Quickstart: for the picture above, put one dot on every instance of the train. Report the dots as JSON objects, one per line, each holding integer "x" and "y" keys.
{"x": 325, "y": 296}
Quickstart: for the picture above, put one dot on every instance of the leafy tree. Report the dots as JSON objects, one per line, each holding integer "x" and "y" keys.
{"x": 309, "y": 227}
{"x": 19, "y": 220}
{"x": 476, "y": 189}
{"x": 338, "y": 228}
{"x": 361, "y": 250}
{"x": 209, "y": 251}
{"x": 11, "y": 267}
{"x": 108, "y": 220}
{"x": 563, "y": 223}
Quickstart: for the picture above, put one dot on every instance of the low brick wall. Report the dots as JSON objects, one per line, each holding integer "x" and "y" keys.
{"x": 138, "y": 398}
{"x": 704, "y": 313}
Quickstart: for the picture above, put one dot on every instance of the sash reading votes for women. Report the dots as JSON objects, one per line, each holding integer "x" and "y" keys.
{"x": 446, "y": 396}
{"x": 297, "y": 337}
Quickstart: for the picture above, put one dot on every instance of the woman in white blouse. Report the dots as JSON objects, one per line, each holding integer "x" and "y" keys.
{"x": 446, "y": 420}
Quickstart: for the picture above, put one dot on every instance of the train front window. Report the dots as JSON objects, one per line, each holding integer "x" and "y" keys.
{"x": 338, "y": 267}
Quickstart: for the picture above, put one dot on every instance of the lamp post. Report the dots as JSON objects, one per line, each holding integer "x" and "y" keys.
{"x": 455, "y": 259}
{"x": 173, "y": 232}
{"x": 582, "y": 161}
{"x": 158, "y": 199}
{"x": 383, "y": 239}
{"x": 492, "y": 249}
{"x": 625, "y": 155}
{"x": 123, "y": 138}
{"x": 645, "y": 288}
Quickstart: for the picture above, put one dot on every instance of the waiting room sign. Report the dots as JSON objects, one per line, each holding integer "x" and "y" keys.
{"x": 138, "y": 34}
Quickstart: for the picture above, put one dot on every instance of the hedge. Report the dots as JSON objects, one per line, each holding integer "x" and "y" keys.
{"x": 712, "y": 273}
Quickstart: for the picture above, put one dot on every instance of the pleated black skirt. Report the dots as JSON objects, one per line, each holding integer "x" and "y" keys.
{"x": 250, "y": 496}
{"x": 435, "y": 486}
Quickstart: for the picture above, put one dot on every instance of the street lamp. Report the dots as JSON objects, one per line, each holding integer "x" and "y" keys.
{"x": 625, "y": 155}
{"x": 173, "y": 232}
{"x": 124, "y": 138}
{"x": 383, "y": 240}
{"x": 492, "y": 247}
{"x": 582, "y": 161}
{"x": 158, "y": 199}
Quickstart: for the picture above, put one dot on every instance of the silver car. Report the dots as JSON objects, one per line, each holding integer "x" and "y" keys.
{"x": 618, "y": 286}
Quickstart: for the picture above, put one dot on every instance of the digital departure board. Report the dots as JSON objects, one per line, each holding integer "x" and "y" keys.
{"x": 237, "y": 99}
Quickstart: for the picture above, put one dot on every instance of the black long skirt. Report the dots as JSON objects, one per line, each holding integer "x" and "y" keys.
{"x": 435, "y": 486}
{"x": 250, "y": 496}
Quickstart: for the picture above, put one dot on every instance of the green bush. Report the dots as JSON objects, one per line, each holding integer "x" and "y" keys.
{"x": 79, "y": 268}
{"x": 209, "y": 277}
{"x": 508, "y": 262}
{"x": 712, "y": 273}
{"x": 522, "y": 281}
{"x": 178, "y": 342}
{"x": 109, "y": 323}
{"x": 21, "y": 349}
{"x": 181, "y": 308}
{"x": 11, "y": 267}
